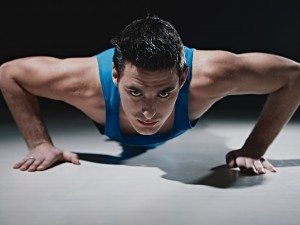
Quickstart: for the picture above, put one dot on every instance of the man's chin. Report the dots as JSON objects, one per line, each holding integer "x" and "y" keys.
{"x": 146, "y": 132}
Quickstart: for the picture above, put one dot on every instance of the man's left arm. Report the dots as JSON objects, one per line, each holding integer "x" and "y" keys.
{"x": 261, "y": 73}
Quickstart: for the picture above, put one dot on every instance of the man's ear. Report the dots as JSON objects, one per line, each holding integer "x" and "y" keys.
{"x": 115, "y": 75}
{"x": 183, "y": 78}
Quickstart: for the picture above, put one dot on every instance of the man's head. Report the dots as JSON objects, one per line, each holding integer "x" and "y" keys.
{"x": 148, "y": 62}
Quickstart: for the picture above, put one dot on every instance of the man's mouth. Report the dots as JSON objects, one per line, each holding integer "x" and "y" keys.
{"x": 147, "y": 123}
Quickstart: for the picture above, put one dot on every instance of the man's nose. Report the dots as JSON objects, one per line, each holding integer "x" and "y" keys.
{"x": 149, "y": 109}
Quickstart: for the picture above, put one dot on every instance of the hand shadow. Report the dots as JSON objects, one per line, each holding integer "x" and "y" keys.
{"x": 127, "y": 153}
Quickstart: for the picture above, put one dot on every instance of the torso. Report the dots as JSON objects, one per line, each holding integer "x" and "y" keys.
{"x": 199, "y": 103}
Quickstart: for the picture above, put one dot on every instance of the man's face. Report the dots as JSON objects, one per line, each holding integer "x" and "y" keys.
{"x": 147, "y": 96}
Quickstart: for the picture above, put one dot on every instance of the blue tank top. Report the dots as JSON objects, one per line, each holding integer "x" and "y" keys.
{"x": 111, "y": 96}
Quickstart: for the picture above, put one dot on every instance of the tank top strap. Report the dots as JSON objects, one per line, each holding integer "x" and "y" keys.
{"x": 188, "y": 55}
{"x": 182, "y": 122}
{"x": 110, "y": 92}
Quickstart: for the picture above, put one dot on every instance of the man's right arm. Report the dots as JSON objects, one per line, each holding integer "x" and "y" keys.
{"x": 22, "y": 104}
{"x": 21, "y": 81}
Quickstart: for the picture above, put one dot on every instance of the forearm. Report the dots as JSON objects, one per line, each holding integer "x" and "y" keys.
{"x": 25, "y": 111}
{"x": 278, "y": 109}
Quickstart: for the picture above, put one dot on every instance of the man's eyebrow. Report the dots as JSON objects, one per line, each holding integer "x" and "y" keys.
{"x": 167, "y": 89}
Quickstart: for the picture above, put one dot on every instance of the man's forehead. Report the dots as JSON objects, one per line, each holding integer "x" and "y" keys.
{"x": 144, "y": 77}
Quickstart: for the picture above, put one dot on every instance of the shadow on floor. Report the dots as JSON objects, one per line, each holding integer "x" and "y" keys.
{"x": 219, "y": 177}
{"x": 194, "y": 163}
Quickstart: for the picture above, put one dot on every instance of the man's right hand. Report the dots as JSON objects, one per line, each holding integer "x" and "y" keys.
{"x": 43, "y": 156}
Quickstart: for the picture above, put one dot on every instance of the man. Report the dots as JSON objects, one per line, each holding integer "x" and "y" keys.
{"x": 148, "y": 89}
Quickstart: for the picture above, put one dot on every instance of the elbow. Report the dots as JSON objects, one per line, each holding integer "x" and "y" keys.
{"x": 298, "y": 78}
{"x": 5, "y": 72}
{"x": 294, "y": 84}
{"x": 293, "y": 80}
{"x": 297, "y": 84}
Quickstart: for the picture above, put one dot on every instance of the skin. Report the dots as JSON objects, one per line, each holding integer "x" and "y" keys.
{"x": 215, "y": 74}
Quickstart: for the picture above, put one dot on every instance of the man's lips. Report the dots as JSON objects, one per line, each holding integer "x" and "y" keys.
{"x": 148, "y": 122}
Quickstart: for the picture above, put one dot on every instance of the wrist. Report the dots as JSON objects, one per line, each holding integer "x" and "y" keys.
{"x": 253, "y": 152}
{"x": 41, "y": 145}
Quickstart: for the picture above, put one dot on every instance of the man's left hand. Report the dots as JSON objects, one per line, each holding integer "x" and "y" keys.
{"x": 247, "y": 164}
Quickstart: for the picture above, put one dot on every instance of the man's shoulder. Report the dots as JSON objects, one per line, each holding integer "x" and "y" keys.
{"x": 212, "y": 71}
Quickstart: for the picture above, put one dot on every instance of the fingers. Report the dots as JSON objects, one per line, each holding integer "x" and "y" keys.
{"x": 34, "y": 165}
{"x": 246, "y": 166}
{"x": 31, "y": 164}
{"x": 259, "y": 167}
{"x": 254, "y": 166}
{"x": 266, "y": 164}
{"x": 27, "y": 163}
{"x": 250, "y": 166}
{"x": 45, "y": 164}
{"x": 19, "y": 164}
{"x": 71, "y": 157}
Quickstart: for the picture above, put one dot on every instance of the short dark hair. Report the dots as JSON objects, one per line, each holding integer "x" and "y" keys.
{"x": 152, "y": 44}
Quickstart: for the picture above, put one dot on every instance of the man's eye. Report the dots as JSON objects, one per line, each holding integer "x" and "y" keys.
{"x": 135, "y": 93}
{"x": 164, "y": 94}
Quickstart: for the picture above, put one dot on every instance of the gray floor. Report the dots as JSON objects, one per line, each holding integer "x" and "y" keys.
{"x": 182, "y": 182}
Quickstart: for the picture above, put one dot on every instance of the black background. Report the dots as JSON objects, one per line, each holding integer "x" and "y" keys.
{"x": 84, "y": 28}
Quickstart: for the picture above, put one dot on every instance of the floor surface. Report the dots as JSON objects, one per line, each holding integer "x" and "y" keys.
{"x": 184, "y": 181}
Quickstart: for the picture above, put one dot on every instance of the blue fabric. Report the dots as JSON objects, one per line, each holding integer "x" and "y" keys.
{"x": 112, "y": 103}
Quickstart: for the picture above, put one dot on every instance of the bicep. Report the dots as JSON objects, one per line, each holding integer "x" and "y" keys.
{"x": 261, "y": 73}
